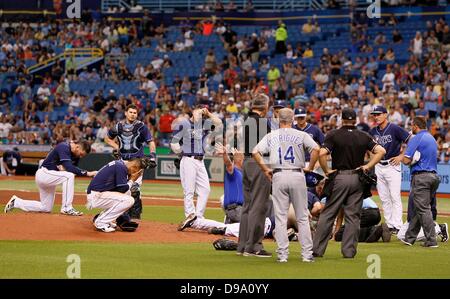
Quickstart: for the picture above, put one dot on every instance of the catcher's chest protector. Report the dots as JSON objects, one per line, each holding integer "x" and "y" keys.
{"x": 128, "y": 136}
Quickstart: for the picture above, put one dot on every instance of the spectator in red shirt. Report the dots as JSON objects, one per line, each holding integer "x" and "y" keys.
{"x": 165, "y": 127}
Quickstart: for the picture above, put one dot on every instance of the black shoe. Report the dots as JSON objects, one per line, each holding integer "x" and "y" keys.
{"x": 317, "y": 255}
{"x": 444, "y": 232}
{"x": 291, "y": 234}
{"x": 263, "y": 253}
{"x": 386, "y": 235}
{"x": 187, "y": 222}
{"x": 217, "y": 230}
{"x": 429, "y": 245}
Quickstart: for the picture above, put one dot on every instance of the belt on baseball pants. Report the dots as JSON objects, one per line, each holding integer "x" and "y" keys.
{"x": 349, "y": 171}
{"x": 200, "y": 158}
{"x": 384, "y": 162}
{"x": 424, "y": 171}
{"x": 292, "y": 169}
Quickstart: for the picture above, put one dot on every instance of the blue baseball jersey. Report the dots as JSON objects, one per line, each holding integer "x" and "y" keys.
{"x": 191, "y": 136}
{"x": 112, "y": 177}
{"x": 424, "y": 143}
{"x": 132, "y": 138}
{"x": 312, "y": 199}
{"x": 233, "y": 189}
{"x": 315, "y": 133}
{"x": 62, "y": 155}
{"x": 368, "y": 203}
{"x": 391, "y": 138}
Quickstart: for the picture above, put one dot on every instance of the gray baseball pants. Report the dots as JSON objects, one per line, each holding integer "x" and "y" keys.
{"x": 256, "y": 202}
{"x": 290, "y": 186}
{"x": 347, "y": 193}
{"x": 423, "y": 188}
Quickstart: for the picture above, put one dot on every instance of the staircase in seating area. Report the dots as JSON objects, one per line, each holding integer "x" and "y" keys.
{"x": 82, "y": 57}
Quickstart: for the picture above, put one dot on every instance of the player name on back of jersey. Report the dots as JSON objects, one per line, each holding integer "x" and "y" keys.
{"x": 283, "y": 138}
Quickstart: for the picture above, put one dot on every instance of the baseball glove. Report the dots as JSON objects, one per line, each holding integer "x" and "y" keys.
{"x": 177, "y": 162}
{"x": 148, "y": 162}
{"x": 124, "y": 223}
{"x": 135, "y": 190}
{"x": 225, "y": 244}
{"x": 116, "y": 154}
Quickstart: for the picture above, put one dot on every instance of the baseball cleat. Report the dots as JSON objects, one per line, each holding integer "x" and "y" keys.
{"x": 187, "y": 222}
{"x": 10, "y": 205}
{"x": 291, "y": 234}
{"x": 217, "y": 230}
{"x": 444, "y": 232}
{"x": 71, "y": 212}
{"x": 106, "y": 228}
{"x": 429, "y": 246}
{"x": 281, "y": 260}
{"x": 308, "y": 260}
{"x": 405, "y": 242}
{"x": 262, "y": 253}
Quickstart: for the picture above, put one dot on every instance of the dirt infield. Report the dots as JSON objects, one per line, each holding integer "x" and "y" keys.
{"x": 55, "y": 227}
{"x": 80, "y": 199}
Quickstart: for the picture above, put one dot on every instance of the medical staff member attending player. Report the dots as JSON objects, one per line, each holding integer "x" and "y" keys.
{"x": 57, "y": 169}
{"x": 388, "y": 171}
{"x": 233, "y": 197}
{"x": 424, "y": 182}
{"x": 110, "y": 191}
{"x": 132, "y": 135}
{"x": 302, "y": 125}
{"x": 192, "y": 133}
{"x": 287, "y": 147}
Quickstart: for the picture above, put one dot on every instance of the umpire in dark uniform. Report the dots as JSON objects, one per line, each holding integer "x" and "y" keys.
{"x": 256, "y": 184}
{"x": 347, "y": 147}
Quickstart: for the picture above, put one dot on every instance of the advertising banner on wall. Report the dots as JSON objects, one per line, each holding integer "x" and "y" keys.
{"x": 443, "y": 172}
{"x": 166, "y": 168}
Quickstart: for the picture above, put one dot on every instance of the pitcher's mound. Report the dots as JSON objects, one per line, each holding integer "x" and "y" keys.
{"x": 40, "y": 226}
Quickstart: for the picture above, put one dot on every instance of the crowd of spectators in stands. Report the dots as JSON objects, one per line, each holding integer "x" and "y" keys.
{"x": 245, "y": 70}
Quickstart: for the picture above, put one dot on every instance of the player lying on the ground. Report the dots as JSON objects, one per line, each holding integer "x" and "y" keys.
{"x": 57, "y": 169}
{"x": 440, "y": 229}
{"x": 110, "y": 190}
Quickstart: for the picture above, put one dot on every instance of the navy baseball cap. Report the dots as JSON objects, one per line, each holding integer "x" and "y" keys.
{"x": 279, "y": 104}
{"x": 300, "y": 112}
{"x": 313, "y": 179}
{"x": 378, "y": 110}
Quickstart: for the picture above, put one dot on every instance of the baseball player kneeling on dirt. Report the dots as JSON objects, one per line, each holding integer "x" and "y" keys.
{"x": 111, "y": 190}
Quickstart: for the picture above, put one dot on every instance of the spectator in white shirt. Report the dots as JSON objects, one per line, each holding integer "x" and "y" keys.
{"x": 388, "y": 79}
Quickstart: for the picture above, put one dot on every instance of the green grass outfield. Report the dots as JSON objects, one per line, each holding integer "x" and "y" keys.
{"x": 47, "y": 259}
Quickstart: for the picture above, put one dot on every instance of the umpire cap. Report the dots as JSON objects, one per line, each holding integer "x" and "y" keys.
{"x": 313, "y": 179}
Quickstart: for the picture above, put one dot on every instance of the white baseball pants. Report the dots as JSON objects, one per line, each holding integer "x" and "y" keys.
{"x": 113, "y": 203}
{"x": 421, "y": 236}
{"x": 194, "y": 179}
{"x": 389, "y": 180}
{"x": 231, "y": 230}
{"x": 47, "y": 180}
